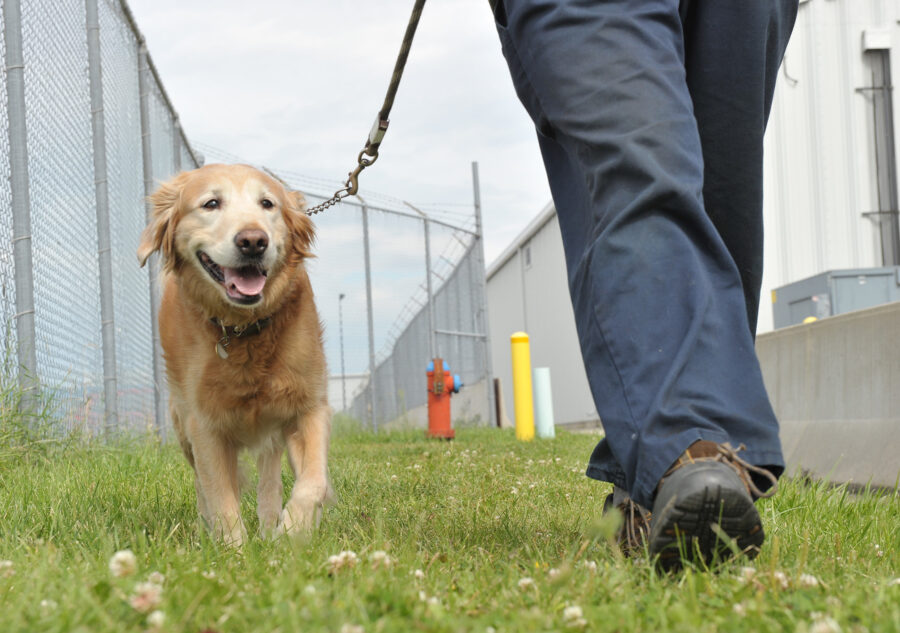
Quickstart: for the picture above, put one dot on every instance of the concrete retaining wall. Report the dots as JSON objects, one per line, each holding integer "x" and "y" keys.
{"x": 835, "y": 385}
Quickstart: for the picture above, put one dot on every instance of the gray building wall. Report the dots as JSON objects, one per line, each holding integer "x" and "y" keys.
{"x": 527, "y": 290}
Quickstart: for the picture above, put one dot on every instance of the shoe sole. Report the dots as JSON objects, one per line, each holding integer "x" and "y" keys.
{"x": 705, "y": 525}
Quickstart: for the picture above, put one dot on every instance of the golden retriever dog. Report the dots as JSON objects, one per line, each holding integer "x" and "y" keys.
{"x": 242, "y": 342}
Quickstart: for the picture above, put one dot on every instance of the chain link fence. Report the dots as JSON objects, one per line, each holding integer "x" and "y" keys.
{"x": 87, "y": 133}
{"x": 68, "y": 202}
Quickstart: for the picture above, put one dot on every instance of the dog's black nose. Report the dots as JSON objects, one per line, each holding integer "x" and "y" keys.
{"x": 252, "y": 242}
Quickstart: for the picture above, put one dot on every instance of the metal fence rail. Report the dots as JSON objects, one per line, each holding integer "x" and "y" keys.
{"x": 78, "y": 152}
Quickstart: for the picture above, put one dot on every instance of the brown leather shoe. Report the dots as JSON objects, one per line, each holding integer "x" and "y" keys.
{"x": 635, "y": 525}
{"x": 704, "y": 509}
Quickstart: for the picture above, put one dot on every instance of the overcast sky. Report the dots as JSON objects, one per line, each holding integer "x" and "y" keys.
{"x": 296, "y": 85}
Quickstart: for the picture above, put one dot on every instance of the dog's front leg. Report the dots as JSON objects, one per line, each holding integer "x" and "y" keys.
{"x": 216, "y": 464}
{"x": 270, "y": 489}
{"x": 307, "y": 446}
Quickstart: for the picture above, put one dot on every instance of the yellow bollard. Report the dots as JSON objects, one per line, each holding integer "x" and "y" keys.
{"x": 522, "y": 396}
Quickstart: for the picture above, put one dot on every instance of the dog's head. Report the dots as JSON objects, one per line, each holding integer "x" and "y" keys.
{"x": 231, "y": 231}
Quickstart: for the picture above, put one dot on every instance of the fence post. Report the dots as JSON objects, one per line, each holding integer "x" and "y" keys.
{"x": 176, "y": 143}
{"x": 369, "y": 318}
{"x": 481, "y": 296}
{"x": 153, "y": 265}
{"x": 101, "y": 191}
{"x": 21, "y": 203}
{"x": 432, "y": 328}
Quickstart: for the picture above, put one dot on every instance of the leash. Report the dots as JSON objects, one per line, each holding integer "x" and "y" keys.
{"x": 369, "y": 153}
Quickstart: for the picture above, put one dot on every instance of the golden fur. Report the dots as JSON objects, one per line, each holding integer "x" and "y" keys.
{"x": 270, "y": 393}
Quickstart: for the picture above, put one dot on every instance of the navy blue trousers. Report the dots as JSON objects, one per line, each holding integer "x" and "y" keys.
{"x": 650, "y": 117}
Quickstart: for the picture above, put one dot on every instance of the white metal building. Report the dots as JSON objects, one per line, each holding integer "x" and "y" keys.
{"x": 830, "y": 191}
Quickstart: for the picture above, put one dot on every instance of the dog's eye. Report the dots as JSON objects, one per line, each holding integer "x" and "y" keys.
{"x": 266, "y": 203}
{"x": 212, "y": 204}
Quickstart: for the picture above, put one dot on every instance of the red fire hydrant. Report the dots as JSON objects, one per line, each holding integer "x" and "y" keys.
{"x": 440, "y": 385}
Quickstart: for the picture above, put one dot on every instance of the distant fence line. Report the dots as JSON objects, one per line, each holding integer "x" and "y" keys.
{"x": 448, "y": 318}
{"x": 79, "y": 152}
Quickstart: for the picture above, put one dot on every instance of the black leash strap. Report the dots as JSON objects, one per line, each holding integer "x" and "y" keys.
{"x": 369, "y": 153}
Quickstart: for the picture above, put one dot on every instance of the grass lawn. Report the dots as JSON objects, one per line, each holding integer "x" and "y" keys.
{"x": 483, "y": 534}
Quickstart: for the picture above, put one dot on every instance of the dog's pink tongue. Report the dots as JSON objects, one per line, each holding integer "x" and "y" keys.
{"x": 247, "y": 281}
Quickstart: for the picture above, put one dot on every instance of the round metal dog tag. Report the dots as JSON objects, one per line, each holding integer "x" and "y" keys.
{"x": 220, "y": 350}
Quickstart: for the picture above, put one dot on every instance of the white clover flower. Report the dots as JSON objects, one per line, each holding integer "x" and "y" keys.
{"x": 433, "y": 601}
{"x": 573, "y": 617}
{"x": 381, "y": 559}
{"x": 156, "y": 619}
{"x": 572, "y": 612}
{"x": 123, "y": 563}
{"x": 48, "y": 606}
{"x": 422, "y": 596}
{"x": 894, "y": 582}
{"x": 309, "y": 590}
{"x": 346, "y": 558}
{"x": 553, "y": 574}
{"x": 526, "y": 583}
{"x": 352, "y": 628}
{"x": 7, "y": 569}
{"x": 419, "y": 574}
{"x": 739, "y": 608}
{"x": 209, "y": 575}
{"x": 156, "y": 578}
{"x": 393, "y": 477}
{"x": 490, "y": 629}
{"x": 147, "y": 596}
{"x": 748, "y": 573}
{"x": 824, "y": 624}
{"x": 591, "y": 566}
{"x": 781, "y": 579}
{"x": 807, "y": 581}
{"x": 514, "y": 491}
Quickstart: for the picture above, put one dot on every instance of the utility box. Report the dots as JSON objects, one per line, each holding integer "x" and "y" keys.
{"x": 834, "y": 292}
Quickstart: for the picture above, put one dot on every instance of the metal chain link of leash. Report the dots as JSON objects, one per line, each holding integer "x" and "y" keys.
{"x": 369, "y": 153}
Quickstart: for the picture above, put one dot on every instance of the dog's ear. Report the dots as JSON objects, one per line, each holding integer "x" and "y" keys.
{"x": 159, "y": 235}
{"x": 301, "y": 228}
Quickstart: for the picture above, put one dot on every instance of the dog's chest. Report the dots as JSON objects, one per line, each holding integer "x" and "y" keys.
{"x": 252, "y": 394}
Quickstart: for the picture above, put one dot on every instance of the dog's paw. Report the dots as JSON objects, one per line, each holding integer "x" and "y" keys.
{"x": 299, "y": 517}
{"x": 233, "y": 536}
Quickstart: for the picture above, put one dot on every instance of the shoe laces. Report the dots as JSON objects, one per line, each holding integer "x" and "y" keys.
{"x": 729, "y": 455}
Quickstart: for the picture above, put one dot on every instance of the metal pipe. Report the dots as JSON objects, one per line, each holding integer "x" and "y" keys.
{"x": 369, "y": 317}
{"x": 343, "y": 371}
{"x": 176, "y": 143}
{"x": 129, "y": 17}
{"x": 481, "y": 295}
{"x": 21, "y": 203}
{"x": 373, "y": 207}
{"x": 153, "y": 264}
{"x": 465, "y": 334}
{"x": 101, "y": 191}
{"x": 432, "y": 339}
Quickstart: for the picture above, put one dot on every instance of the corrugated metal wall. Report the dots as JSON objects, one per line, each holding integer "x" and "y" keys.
{"x": 820, "y": 147}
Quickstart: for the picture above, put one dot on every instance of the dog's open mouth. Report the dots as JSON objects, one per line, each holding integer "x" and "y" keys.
{"x": 243, "y": 285}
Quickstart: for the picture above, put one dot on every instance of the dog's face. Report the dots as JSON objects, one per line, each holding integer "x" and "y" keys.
{"x": 229, "y": 230}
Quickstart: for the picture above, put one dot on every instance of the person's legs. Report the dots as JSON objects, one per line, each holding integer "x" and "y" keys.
{"x": 658, "y": 299}
{"x": 732, "y": 54}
